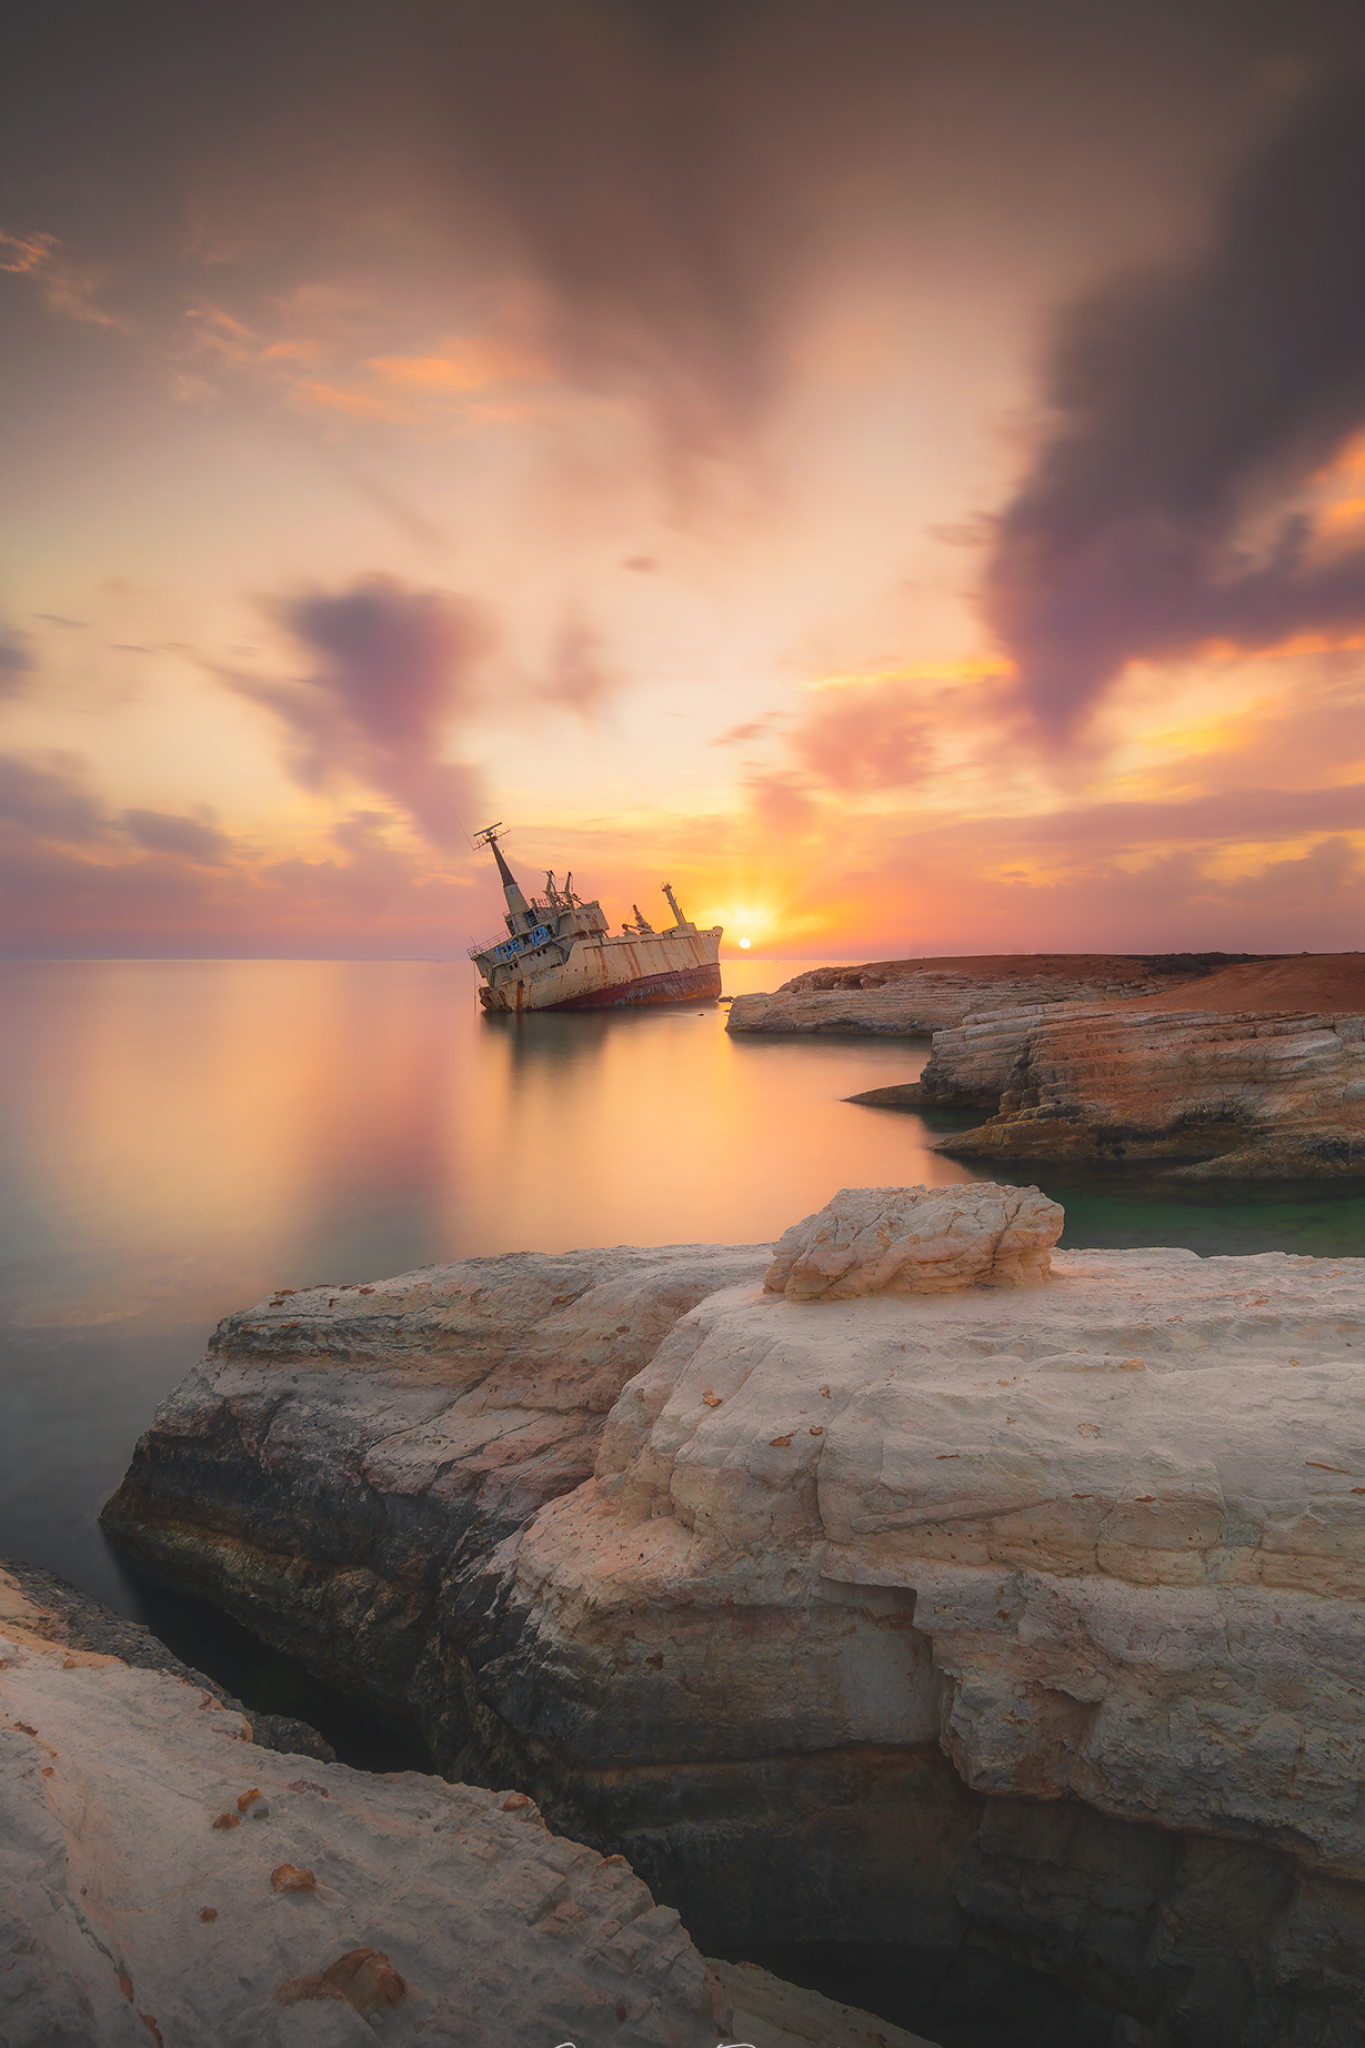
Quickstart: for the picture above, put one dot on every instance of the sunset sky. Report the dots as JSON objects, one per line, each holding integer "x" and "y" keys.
{"x": 895, "y": 470}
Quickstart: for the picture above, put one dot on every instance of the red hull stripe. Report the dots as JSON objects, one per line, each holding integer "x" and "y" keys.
{"x": 680, "y": 985}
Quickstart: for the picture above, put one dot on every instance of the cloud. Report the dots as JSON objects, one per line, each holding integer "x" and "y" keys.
{"x": 67, "y": 287}
{"x": 782, "y": 804}
{"x": 333, "y": 347}
{"x": 395, "y": 668}
{"x": 873, "y": 738}
{"x": 622, "y": 155}
{"x": 1193, "y": 410}
{"x": 15, "y": 662}
{"x": 752, "y": 729}
{"x": 366, "y": 900}
{"x": 49, "y": 797}
{"x": 189, "y": 838}
{"x": 578, "y": 678}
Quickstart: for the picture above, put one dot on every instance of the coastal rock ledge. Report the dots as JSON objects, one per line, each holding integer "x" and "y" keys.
{"x": 1015, "y": 1636}
{"x": 1255, "y": 1072}
{"x": 162, "y": 1879}
{"x": 911, "y": 998}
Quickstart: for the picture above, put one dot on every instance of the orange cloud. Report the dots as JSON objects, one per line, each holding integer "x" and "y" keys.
{"x": 325, "y": 360}
{"x": 67, "y": 287}
{"x": 972, "y": 670}
{"x": 468, "y": 363}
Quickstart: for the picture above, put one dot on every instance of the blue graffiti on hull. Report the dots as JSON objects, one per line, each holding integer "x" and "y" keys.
{"x": 525, "y": 942}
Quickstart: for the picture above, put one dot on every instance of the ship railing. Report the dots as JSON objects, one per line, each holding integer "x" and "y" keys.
{"x": 510, "y": 948}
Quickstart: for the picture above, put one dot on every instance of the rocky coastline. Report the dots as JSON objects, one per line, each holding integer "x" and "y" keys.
{"x": 1255, "y": 1072}
{"x": 912, "y": 998}
{"x": 1004, "y": 1618}
{"x": 166, "y": 1874}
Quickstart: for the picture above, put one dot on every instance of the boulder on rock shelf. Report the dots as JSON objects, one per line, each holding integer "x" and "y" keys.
{"x": 917, "y": 1240}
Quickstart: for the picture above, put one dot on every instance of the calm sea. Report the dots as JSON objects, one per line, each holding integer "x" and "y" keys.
{"x": 179, "y": 1137}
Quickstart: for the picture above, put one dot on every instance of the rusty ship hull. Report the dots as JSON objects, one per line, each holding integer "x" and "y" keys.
{"x": 661, "y": 969}
{"x": 559, "y": 953}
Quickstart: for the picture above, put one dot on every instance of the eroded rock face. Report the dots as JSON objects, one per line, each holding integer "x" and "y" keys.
{"x": 1012, "y": 1628}
{"x": 917, "y": 1240}
{"x": 341, "y": 1451}
{"x": 1221, "y": 1088}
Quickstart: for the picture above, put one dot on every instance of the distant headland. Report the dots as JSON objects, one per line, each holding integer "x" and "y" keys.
{"x": 1239, "y": 1066}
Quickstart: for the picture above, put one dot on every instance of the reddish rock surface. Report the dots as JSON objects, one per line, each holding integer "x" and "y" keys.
{"x": 915, "y": 997}
{"x": 1257, "y": 1070}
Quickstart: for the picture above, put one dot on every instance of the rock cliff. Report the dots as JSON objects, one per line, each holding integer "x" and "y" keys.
{"x": 1257, "y": 1072}
{"x": 915, "y": 997}
{"x": 162, "y": 1878}
{"x": 1018, "y": 1633}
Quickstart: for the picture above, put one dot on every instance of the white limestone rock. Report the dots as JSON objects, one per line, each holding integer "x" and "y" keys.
{"x": 1037, "y": 1614}
{"x": 161, "y": 1879}
{"x": 917, "y": 1240}
{"x": 1129, "y": 1507}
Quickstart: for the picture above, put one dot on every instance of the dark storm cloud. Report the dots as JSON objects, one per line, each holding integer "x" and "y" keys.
{"x": 394, "y": 668}
{"x": 1190, "y": 406}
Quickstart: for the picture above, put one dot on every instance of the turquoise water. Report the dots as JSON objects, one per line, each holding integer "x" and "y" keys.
{"x": 177, "y": 1138}
{"x": 1115, "y": 1206}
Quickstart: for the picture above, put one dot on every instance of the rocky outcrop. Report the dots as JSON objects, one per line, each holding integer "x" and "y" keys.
{"x": 916, "y": 1240}
{"x": 1214, "y": 1087}
{"x": 41, "y": 1604}
{"x": 162, "y": 1878}
{"x": 916, "y": 997}
{"x": 1017, "y": 1632}
{"x": 343, "y": 1451}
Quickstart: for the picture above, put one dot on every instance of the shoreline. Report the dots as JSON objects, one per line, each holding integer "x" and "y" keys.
{"x": 544, "y": 1505}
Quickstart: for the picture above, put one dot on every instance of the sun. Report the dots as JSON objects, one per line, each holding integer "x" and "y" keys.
{"x": 745, "y": 944}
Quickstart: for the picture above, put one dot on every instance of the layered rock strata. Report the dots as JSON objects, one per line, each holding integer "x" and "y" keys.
{"x": 1214, "y": 1087}
{"x": 1019, "y": 1632}
{"x": 916, "y": 997}
{"x": 162, "y": 1879}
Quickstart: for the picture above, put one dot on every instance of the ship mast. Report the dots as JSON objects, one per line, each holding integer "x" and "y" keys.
{"x": 680, "y": 921}
{"x": 511, "y": 888}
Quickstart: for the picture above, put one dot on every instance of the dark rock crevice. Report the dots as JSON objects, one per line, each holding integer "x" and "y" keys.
{"x": 79, "y": 1621}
